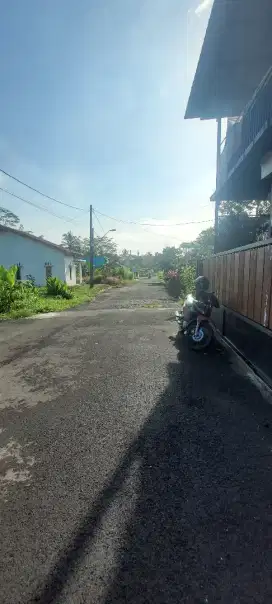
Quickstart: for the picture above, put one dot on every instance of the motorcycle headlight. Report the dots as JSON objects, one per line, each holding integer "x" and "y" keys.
{"x": 190, "y": 299}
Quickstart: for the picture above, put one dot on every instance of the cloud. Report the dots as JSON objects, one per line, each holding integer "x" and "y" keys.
{"x": 203, "y": 6}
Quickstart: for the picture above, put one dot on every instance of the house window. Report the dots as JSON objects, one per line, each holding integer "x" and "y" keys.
{"x": 70, "y": 271}
{"x": 48, "y": 270}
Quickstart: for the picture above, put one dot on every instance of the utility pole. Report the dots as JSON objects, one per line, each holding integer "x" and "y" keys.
{"x": 91, "y": 248}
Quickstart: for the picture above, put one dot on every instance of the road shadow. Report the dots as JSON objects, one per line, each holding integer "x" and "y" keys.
{"x": 200, "y": 529}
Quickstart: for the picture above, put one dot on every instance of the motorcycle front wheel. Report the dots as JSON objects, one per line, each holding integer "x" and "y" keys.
{"x": 202, "y": 339}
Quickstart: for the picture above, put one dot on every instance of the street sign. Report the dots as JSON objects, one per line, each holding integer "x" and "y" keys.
{"x": 98, "y": 261}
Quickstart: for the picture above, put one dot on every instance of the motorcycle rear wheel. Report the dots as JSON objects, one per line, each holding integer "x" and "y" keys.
{"x": 203, "y": 338}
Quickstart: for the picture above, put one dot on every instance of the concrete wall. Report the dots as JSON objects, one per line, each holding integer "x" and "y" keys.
{"x": 32, "y": 256}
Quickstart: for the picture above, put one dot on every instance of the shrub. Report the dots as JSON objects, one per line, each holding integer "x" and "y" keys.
{"x": 31, "y": 280}
{"x": 112, "y": 281}
{"x": 8, "y": 275}
{"x": 127, "y": 274}
{"x": 174, "y": 287}
{"x": 123, "y": 272}
{"x": 15, "y": 296}
{"x": 97, "y": 279}
{"x": 10, "y": 291}
{"x": 56, "y": 287}
{"x": 187, "y": 279}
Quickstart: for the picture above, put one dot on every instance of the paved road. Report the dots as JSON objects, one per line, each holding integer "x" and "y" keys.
{"x": 129, "y": 472}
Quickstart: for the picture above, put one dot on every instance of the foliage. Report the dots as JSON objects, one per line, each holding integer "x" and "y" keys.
{"x": 31, "y": 279}
{"x": 7, "y": 218}
{"x": 204, "y": 243}
{"x": 173, "y": 283}
{"x": 56, "y": 287}
{"x": 97, "y": 279}
{"x": 187, "y": 277}
{"x": 250, "y": 208}
{"x": 242, "y": 223}
{"x": 8, "y": 275}
{"x": 174, "y": 287}
{"x": 71, "y": 242}
{"x": 42, "y": 303}
{"x": 13, "y": 294}
{"x": 238, "y": 230}
{"x": 8, "y": 296}
{"x": 181, "y": 282}
{"x": 112, "y": 281}
{"x": 171, "y": 275}
{"x": 171, "y": 257}
{"x": 123, "y": 272}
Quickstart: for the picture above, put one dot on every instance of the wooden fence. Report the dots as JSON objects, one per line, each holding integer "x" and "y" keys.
{"x": 242, "y": 279}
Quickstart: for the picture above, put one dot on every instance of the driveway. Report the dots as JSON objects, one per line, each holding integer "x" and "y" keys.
{"x": 130, "y": 472}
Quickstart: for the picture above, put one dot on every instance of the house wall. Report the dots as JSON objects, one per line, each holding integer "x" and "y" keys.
{"x": 32, "y": 255}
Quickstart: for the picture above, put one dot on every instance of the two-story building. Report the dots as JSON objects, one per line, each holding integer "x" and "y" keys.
{"x": 233, "y": 80}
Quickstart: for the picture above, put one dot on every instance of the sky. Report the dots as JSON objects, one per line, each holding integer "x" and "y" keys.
{"x": 93, "y": 96}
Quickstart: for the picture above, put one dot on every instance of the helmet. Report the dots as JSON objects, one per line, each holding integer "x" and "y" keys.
{"x": 202, "y": 283}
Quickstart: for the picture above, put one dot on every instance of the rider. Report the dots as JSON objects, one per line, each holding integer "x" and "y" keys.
{"x": 202, "y": 285}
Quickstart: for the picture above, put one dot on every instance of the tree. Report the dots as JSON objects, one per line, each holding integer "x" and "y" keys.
{"x": 7, "y": 218}
{"x": 71, "y": 242}
{"x": 204, "y": 243}
{"x": 249, "y": 208}
{"x": 168, "y": 258}
{"x": 105, "y": 246}
{"x": 237, "y": 230}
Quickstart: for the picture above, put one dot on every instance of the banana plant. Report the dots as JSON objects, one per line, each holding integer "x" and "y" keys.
{"x": 8, "y": 275}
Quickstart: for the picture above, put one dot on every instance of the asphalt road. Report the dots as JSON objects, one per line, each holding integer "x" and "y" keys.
{"x": 130, "y": 472}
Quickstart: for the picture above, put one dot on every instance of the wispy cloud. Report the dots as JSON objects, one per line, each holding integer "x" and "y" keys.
{"x": 203, "y": 6}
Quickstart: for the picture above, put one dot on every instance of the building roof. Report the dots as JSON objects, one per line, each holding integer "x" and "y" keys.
{"x": 5, "y": 229}
{"x": 236, "y": 54}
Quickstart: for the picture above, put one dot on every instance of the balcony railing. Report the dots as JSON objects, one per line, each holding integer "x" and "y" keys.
{"x": 244, "y": 131}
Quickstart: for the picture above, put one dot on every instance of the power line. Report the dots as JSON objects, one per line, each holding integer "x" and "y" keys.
{"x": 67, "y": 205}
{"x": 40, "y": 192}
{"x": 42, "y": 208}
{"x": 139, "y": 224}
{"x": 96, "y": 217}
{"x": 143, "y": 229}
{"x": 151, "y": 223}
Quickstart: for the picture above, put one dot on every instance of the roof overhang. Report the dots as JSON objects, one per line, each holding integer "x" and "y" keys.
{"x": 26, "y": 235}
{"x": 236, "y": 53}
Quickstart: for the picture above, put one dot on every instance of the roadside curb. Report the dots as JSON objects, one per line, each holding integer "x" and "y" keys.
{"x": 248, "y": 369}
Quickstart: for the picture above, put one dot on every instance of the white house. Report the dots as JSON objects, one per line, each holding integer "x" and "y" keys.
{"x": 36, "y": 257}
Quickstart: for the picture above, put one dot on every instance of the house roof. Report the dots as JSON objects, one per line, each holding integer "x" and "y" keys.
{"x": 5, "y": 229}
{"x": 236, "y": 54}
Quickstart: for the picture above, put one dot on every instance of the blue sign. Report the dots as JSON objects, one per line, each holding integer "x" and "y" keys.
{"x": 99, "y": 261}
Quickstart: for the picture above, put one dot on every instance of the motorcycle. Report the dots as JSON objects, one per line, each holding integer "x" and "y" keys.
{"x": 195, "y": 322}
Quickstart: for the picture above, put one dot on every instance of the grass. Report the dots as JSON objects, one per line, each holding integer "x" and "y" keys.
{"x": 44, "y": 303}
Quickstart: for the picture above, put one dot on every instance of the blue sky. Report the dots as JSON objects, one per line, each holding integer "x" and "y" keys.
{"x": 93, "y": 96}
